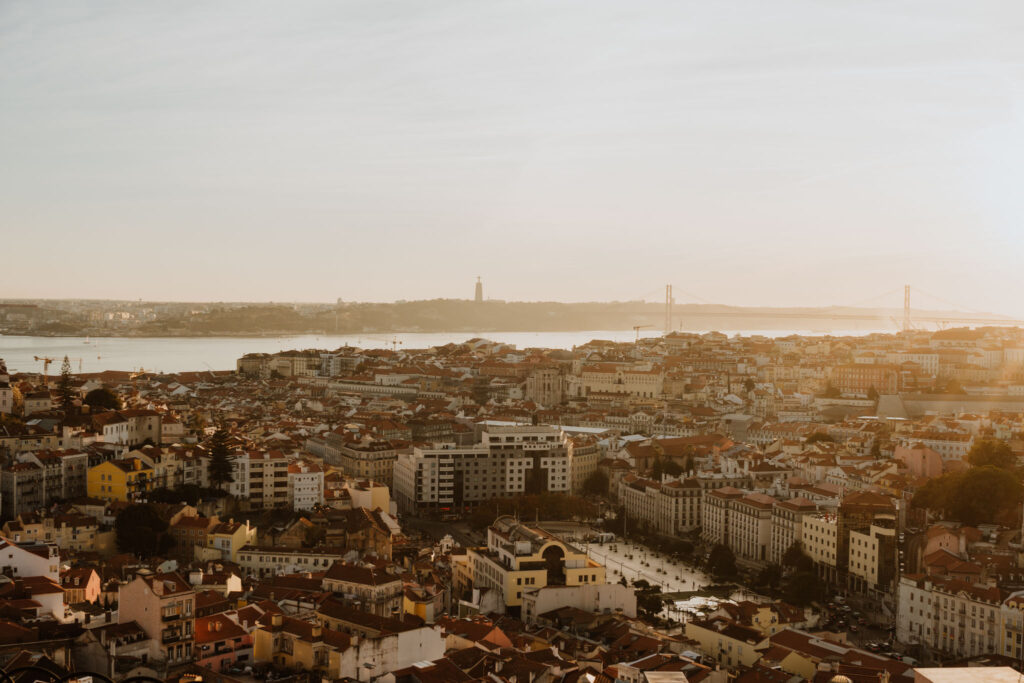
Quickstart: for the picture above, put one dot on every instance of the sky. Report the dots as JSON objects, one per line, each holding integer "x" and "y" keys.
{"x": 748, "y": 152}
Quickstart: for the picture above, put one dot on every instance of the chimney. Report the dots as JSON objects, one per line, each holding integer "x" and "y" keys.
{"x": 276, "y": 620}
{"x": 317, "y": 631}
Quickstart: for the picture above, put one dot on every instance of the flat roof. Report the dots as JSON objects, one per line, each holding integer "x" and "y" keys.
{"x": 989, "y": 674}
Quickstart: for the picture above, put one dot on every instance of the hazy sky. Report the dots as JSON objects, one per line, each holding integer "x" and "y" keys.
{"x": 790, "y": 153}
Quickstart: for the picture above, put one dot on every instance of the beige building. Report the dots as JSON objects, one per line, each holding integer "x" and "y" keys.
{"x": 642, "y": 379}
{"x": 368, "y": 458}
{"x": 164, "y": 606}
{"x": 584, "y": 454}
{"x": 268, "y": 479}
{"x": 787, "y": 525}
{"x": 750, "y": 528}
{"x": 872, "y": 561}
{"x": 715, "y": 515}
{"x": 369, "y": 590}
{"x": 730, "y": 644}
{"x": 671, "y": 506}
{"x": 519, "y": 558}
{"x": 820, "y": 541}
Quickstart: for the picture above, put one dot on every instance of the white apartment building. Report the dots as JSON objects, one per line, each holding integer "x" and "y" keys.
{"x": 750, "y": 526}
{"x": 305, "y": 485}
{"x": 130, "y": 427}
{"x": 260, "y": 561}
{"x": 953, "y": 617}
{"x": 949, "y": 445}
{"x": 715, "y": 515}
{"x": 671, "y": 506}
{"x": 510, "y": 460}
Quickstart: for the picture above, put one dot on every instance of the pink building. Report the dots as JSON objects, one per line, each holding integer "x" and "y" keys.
{"x": 221, "y": 643}
{"x": 920, "y": 460}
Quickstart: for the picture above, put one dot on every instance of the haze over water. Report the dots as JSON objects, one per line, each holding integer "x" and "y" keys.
{"x": 180, "y": 354}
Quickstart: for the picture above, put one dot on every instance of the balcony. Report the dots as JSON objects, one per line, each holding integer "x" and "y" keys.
{"x": 171, "y": 616}
{"x": 169, "y": 638}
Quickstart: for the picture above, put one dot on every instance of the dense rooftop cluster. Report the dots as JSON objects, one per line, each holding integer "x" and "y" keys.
{"x": 456, "y": 513}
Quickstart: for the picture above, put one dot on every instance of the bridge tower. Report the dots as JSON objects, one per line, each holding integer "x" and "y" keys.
{"x": 668, "y": 308}
{"x": 906, "y": 308}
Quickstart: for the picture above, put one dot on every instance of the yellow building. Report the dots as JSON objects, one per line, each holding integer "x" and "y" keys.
{"x": 123, "y": 479}
{"x": 224, "y": 540}
{"x": 730, "y": 644}
{"x": 519, "y": 558}
{"x": 296, "y": 644}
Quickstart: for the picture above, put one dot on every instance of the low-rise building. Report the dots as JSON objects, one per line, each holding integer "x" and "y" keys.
{"x": 163, "y": 605}
{"x": 371, "y": 590}
{"x": 519, "y": 558}
{"x": 127, "y": 479}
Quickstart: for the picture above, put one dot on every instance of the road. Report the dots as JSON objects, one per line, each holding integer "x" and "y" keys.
{"x": 638, "y": 562}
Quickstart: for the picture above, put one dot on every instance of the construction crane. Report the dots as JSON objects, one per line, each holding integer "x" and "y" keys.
{"x": 636, "y": 329}
{"x": 46, "y": 365}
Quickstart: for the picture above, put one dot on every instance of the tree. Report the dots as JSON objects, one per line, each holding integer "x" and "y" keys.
{"x": 17, "y": 401}
{"x": 975, "y": 496}
{"x": 650, "y": 600}
{"x": 992, "y": 452}
{"x": 803, "y": 588}
{"x": 597, "y": 483}
{"x": 876, "y": 450}
{"x": 748, "y": 385}
{"x": 872, "y": 394}
{"x": 219, "y": 468}
{"x": 64, "y": 388}
{"x": 672, "y": 468}
{"x": 769, "y": 577}
{"x": 141, "y": 531}
{"x": 102, "y": 398}
{"x": 796, "y": 558}
{"x": 657, "y": 469}
{"x": 722, "y": 562}
{"x": 831, "y": 391}
{"x": 820, "y": 436}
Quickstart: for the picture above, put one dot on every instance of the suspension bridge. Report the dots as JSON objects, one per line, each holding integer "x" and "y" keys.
{"x": 873, "y": 309}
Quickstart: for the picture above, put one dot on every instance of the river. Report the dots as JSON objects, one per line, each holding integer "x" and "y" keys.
{"x": 177, "y": 354}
